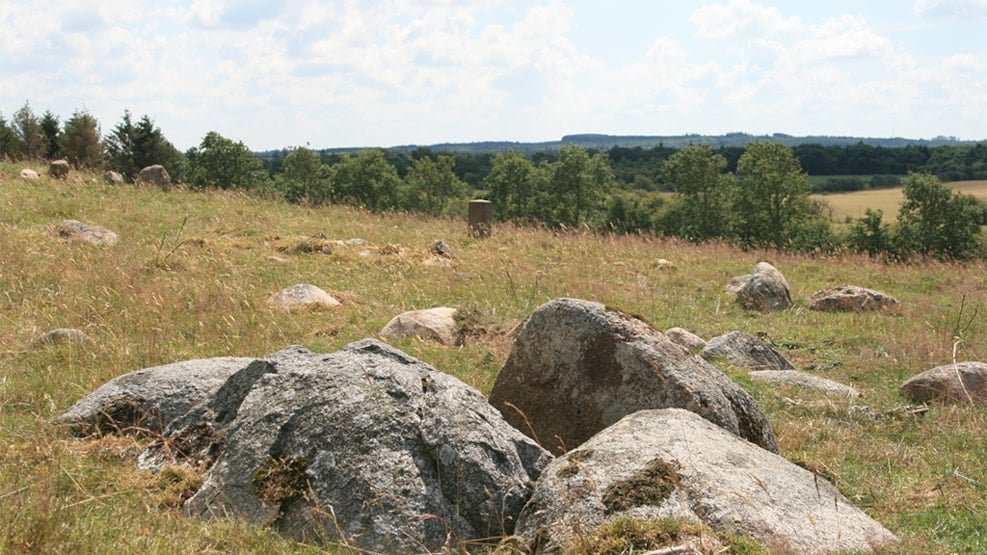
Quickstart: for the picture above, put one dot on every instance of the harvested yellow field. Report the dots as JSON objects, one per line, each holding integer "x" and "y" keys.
{"x": 887, "y": 200}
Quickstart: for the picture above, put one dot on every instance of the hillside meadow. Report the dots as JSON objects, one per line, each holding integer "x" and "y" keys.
{"x": 854, "y": 204}
{"x": 192, "y": 271}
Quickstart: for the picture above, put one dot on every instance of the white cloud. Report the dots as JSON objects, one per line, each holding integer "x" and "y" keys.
{"x": 951, "y": 8}
{"x": 741, "y": 18}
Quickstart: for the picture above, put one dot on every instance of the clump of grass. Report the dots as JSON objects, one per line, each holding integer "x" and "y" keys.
{"x": 627, "y": 535}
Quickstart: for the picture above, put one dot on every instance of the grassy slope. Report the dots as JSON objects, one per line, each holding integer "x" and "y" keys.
{"x": 191, "y": 273}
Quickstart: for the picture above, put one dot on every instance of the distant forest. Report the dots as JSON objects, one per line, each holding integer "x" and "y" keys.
{"x": 851, "y": 163}
{"x": 745, "y": 189}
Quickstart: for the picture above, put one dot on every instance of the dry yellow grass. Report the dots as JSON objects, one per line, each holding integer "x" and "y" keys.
{"x": 887, "y": 200}
{"x": 169, "y": 292}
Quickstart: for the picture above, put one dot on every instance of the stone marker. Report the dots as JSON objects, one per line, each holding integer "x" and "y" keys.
{"x": 59, "y": 169}
{"x": 480, "y": 218}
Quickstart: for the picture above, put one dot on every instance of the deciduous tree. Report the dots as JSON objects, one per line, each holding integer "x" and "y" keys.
{"x": 431, "y": 183}
{"x": 772, "y": 197}
{"x": 367, "y": 180}
{"x": 576, "y": 188}
{"x": 304, "y": 177}
{"x": 512, "y": 185}
{"x": 220, "y": 162}
{"x": 936, "y": 221}
{"x": 80, "y": 140}
{"x": 697, "y": 173}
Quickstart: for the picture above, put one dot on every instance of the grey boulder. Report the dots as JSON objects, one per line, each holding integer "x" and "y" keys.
{"x": 75, "y": 231}
{"x": 577, "y": 367}
{"x": 366, "y": 446}
{"x": 155, "y": 175}
{"x": 746, "y": 351}
{"x": 672, "y": 463}
{"x": 765, "y": 289}
{"x": 436, "y": 324}
{"x": 149, "y": 399}
{"x": 851, "y": 298}
{"x": 804, "y": 380}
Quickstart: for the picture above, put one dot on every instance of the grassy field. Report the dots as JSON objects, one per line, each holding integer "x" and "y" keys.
{"x": 887, "y": 200}
{"x": 192, "y": 272}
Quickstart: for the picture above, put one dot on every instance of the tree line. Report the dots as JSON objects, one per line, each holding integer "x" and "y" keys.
{"x": 754, "y": 196}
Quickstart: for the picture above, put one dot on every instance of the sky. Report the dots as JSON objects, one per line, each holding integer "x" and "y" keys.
{"x": 353, "y": 73}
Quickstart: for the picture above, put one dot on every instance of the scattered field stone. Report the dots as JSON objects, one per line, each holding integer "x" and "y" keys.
{"x": 805, "y": 380}
{"x": 302, "y": 295}
{"x": 113, "y": 178}
{"x": 672, "y": 463}
{"x": 78, "y": 232}
{"x": 436, "y": 324}
{"x": 746, "y": 351}
{"x": 149, "y": 399}
{"x": 29, "y": 174}
{"x": 963, "y": 382}
{"x": 440, "y": 248}
{"x": 851, "y": 298}
{"x": 61, "y": 336}
{"x": 59, "y": 169}
{"x": 686, "y": 338}
{"x": 577, "y": 367}
{"x": 155, "y": 175}
{"x": 765, "y": 289}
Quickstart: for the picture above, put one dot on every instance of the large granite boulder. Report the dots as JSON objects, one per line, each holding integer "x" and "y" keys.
{"x": 366, "y": 446}
{"x": 672, "y": 463}
{"x": 577, "y": 367}
{"x": 149, "y": 399}
{"x": 963, "y": 382}
{"x": 436, "y": 324}
{"x": 851, "y": 298}
{"x": 765, "y": 289}
{"x": 746, "y": 351}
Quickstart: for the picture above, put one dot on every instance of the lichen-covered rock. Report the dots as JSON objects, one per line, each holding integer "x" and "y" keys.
{"x": 765, "y": 289}
{"x": 577, "y": 367}
{"x": 686, "y": 338}
{"x": 113, "y": 178}
{"x": 302, "y": 295}
{"x": 851, "y": 298}
{"x": 366, "y": 446}
{"x": 155, "y": 175}
{"x": 804, "y": 380}
{"x": 149, "y": 399}
{"x": 437, "y": 324}
{"x": 78, "y": 232}
{"x": 672, "y": 463}
{"x": 963, "y": 382}
{"x": 746, "y": 351}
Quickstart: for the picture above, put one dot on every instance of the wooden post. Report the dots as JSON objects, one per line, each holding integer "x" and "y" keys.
{"x": 480, "y": 218}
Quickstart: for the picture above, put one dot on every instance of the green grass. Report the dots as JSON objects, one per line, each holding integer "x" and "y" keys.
{"x": 192, "y": 272}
